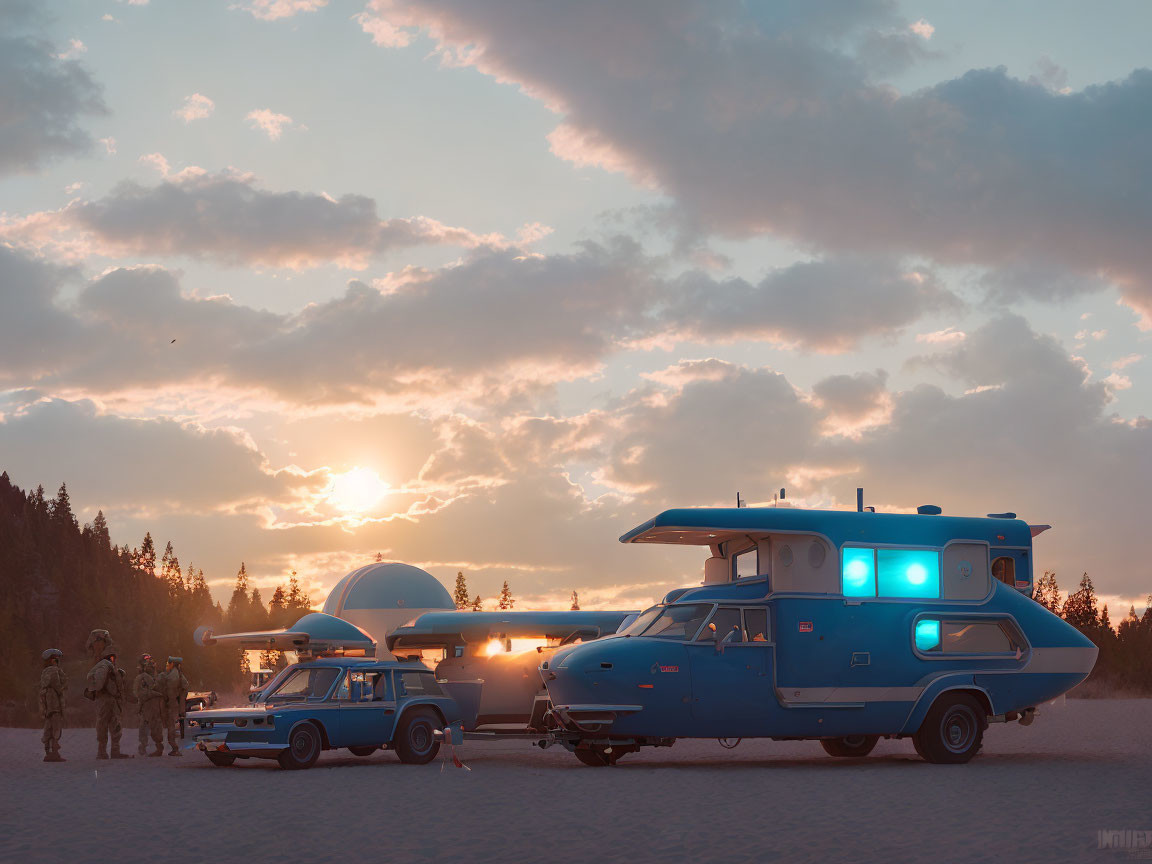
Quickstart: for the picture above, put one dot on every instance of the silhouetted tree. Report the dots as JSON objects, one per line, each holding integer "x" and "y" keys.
{"x": 1080, "y": 608}
{"x": 100, "y": 531}
{"x": 1047, "y": 593}
{"x": 575, "y": 607}
{"x": 145, "y": 557}
{"x": 170, "y": 571}
{"x": 505, "y": 601}
{"x": 477, "y": 604}
{"x": 61, "y": 509}
{"x": 460, "y": 595}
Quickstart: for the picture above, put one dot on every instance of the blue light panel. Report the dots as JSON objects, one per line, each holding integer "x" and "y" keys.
{"x": 928, "y": 635}
{"x": 858, "y": 573}
{"x": 908, "y": 573}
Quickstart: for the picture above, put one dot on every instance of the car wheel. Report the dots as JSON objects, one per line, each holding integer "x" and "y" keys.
{"x": 953, "y": 730}
{"x": 221, "y": 760}
{"x": 849, "y": 745}
{"x": 415, "y": 739}
{"x": 597, "y": 757}
{"x": 362, "y": 751}
{"x": 304, "y": 746}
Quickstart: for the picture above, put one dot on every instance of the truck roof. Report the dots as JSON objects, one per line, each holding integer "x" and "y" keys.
{"x": 708, "y": 526}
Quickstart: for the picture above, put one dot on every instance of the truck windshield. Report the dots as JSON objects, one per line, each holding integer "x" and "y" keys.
{"x": 642, "y": 621}
{"x": 305, "y": 685}
{"x": 675, "y": 622}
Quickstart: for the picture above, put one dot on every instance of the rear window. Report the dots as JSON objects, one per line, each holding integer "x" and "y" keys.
{"x": 939, "y": 636}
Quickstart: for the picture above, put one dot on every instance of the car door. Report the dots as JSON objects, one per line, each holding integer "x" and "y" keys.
{"x": 731, "y": 662}
{"x": 367, "y": 708}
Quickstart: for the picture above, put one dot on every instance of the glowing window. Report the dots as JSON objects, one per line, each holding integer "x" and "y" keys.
{"x": 928, "y": 635}
{"x": 858, "y": 573}
{"x": 908, "y": 573}
{"x": 1004, "y": 569}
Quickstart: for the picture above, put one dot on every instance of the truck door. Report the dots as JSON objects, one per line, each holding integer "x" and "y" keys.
{"x": 1013, "y": 567}
{"x": 732, "y": 661}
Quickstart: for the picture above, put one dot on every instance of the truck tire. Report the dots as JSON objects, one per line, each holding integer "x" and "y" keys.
{"x": 415, "y": 739}
{"x": 850, "y": 745}
{"x": 362, "y": 751}
{"x": 220, "y": 760}
{"x": 304, "y": 745}
{"x": 952, "y": 731}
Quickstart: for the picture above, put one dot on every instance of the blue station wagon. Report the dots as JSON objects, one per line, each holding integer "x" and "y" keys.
{"x": 829, "y": 625}
{"x": 332, "y": 702}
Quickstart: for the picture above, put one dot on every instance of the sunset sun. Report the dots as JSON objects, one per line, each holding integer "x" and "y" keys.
{"x": 356, "y": 491}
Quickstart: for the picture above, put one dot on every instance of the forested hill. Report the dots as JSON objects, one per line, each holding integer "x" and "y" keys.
{"x": 58, "y": 581}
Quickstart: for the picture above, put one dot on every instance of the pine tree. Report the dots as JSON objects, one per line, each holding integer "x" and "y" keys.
{"x": 575, "y": 607}
{"x": 238, "y": 605}
{"x": 258, "y": 614}
{"x": 477, "y": 604}
{"x": 61, "y": 509}
{"x": 460, "y": 595}
{"x": 170, "y": 571}
{"x": 145, "y": 556}
{"x": 1105, "y": 621}
{"x": 297, "y": 601}
{"x": 1080, "y": 608}
{"x": 505, "y": 601}
{"x": 100, "y": 531}
{"x": 379, "y": 557}
{"x": 1047, "y": 592}
{"x": 276, "y": 608}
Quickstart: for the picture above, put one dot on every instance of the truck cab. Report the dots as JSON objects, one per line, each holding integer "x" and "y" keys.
{"x": 831, "y": 625}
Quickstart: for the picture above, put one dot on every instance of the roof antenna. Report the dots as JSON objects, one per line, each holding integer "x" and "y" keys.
{"x": 778, "y": 496}
{"x": 859, "y": 499}
{"x": 740, "y": 502}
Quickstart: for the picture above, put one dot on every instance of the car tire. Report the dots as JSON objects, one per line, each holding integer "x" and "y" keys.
{"x": 855, "y": 746}
{"x": 415, "y": 740}
{"x": 304, "y": 745}
{"x": 221, "y": 760}
{"x": 952, "y": 731}
{"x": 362, "y": 751}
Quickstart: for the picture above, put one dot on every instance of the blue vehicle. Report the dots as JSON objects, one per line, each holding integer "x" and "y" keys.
{"x": 337, "y": 697}
{"x": 837, "y": 626}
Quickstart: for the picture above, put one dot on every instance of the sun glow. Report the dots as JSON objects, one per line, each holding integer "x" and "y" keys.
{"x": 356, "y": 491}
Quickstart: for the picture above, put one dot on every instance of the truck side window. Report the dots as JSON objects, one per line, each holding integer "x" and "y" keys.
{"x": 1004, "y": 569}
{"x": 746, "y": 564}
{"x": 721, "y": 625}
{"x": 756, "y": 625}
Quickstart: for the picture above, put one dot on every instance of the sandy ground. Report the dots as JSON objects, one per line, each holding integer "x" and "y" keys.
{"x": 1034, "y": 794}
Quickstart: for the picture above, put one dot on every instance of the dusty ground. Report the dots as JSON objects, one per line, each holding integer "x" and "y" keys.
{"x": 1034, "y": 794}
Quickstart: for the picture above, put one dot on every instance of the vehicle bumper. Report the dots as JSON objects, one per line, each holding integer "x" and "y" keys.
{"x": 220, "y": 744}
{"x": 577, "y": 717}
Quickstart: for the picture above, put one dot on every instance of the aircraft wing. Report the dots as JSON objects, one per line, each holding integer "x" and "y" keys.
{"x": 442, "y": 629}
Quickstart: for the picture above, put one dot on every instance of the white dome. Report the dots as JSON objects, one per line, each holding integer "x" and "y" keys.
{"x": 383, "y": 596}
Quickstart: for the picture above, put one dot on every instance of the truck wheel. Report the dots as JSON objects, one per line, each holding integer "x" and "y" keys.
{"x": 596, "y": 757}
{"x": 303, "y": 748}
{"x": 849, "y": 745}
{"x": 415, "y": 739}
{"x": 362, "y": 751}
{"x": 953, "y": 730}
{"x": 221, "y": 760}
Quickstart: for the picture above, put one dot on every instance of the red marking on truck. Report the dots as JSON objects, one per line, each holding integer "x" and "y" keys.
{"x": 669, "y": 668}
{"x": 1020, "y": 584}
{"x": 805, "y": 626}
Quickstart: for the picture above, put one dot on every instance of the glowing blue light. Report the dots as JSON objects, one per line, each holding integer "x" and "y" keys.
{"x": 927, "y": 634}
{"x": 859, "y": 573}
{"x": 908, "y": 573}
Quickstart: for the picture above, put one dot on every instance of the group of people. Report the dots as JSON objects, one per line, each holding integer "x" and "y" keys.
{"x": 160, "y": 698}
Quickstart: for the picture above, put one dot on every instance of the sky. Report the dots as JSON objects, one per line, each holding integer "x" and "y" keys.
{"x": 480, "y": 285}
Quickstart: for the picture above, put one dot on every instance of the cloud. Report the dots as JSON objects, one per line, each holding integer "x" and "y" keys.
{"x": 760, "y": 118}
{"x": 45, "y": 93}
{"x": 75, "y": 49}
{"x": 109, "y": 146}
{"x": 922, "y": 29}
{"x": 228, "y": 217}
{"x": 269, "y": 122}
{"x": 274, "y": 10}
{"x": 195, "y": 107}
{"x": 947, "y": 336}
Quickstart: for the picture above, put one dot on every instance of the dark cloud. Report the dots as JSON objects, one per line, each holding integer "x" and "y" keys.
{"x": 229, "y": 218}
{"x": 757, "y": 119}
{"x": 42, "y": 97}
{"x": 852, "y": 397}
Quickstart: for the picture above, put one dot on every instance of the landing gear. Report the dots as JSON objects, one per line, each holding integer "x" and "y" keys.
{"x": 599, "y": 755}
{"x": 849, "y": 745}
{"x": 220, "y": 760}
{"x": 953, "y": 731}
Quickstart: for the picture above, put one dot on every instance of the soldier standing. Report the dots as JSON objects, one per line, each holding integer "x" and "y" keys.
{"x": 106, "y": 682}
{"x": 175, "y": 688}
{"x": 53, "y": 684}
{"x": 98, "y": 641}
{"x": 149, "y": 702}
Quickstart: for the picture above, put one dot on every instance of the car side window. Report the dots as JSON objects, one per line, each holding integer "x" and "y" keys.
{"x": 382, "y": 688}
{"x": 419, "y": 684}
{"x": 357, "y": 687}
{"x": 756, "y": 625}
{"x": 341, "y": 694}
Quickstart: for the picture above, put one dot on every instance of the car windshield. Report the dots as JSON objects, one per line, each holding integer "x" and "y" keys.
{"x": 642, "y": 620}
{"x": 677, "y": 622}
{"x": 305, "y": 685}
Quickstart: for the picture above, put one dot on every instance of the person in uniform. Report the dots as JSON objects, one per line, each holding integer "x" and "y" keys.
{"x": 98, "y": 641}
{"x": 149, "y": 702}
{"x": 175, "y": 688}
{"x": 106, "y": 682}
{"x": 53, "y": 684}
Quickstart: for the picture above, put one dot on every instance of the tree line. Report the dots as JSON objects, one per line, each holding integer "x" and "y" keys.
{"x": 505, "y": 601}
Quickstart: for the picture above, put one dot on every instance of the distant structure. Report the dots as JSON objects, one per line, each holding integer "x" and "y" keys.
{"x": 383, "y": 596}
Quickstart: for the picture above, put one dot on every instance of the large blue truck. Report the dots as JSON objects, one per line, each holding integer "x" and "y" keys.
{"x": 839, "y": 626}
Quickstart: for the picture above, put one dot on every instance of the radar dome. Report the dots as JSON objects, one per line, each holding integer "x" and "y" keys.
{"x": 383, "y": 596}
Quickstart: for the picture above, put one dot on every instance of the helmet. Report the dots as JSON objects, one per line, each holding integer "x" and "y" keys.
{"x": 175, "y": 661}
{"x": 53, "y": 654}
{"x": 144, "y": 660}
